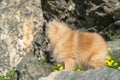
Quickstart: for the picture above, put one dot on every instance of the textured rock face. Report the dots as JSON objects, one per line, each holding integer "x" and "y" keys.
{"x": 114, "y": 45}
{"x": 19, "y": 22}
{"x": 95, "y": 74}
{"x": 23, "y": 38}
{"x": 98, "y": 74}
{"x": 89, "y": 15}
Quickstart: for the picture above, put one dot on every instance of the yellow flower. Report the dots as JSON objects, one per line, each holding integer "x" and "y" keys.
{"x": 108, "y": 58}
{"x": 112, "y": 61}
{"x": 109, "y": 49}
{"x": 55, "y": 70}
{"x": 109, "y": 63}
{"x": 59, "y": 65}
{"x": 106, "y": 61}
{"x": 78, "y": 69}
{"x": 115, "y": 64}
{"x": 61, "y": 68}
{"x": 118, "y": 67}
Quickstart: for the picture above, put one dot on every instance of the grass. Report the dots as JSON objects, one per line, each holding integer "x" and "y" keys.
{"x": 112, "y": 35}
{"x": 9, "y": 76}
{"x": 42, "y": 62}
{"x": 113, "y": 60}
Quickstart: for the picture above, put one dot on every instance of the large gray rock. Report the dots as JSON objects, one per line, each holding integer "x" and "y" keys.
{"x": 23, "y": 39}
{"x": 114, "y": 45}
{"x": 94, "y": 74}
{"x": 29, "y": 69}
{"x": 20, "y": 21}
{"x": 97, "y": 74}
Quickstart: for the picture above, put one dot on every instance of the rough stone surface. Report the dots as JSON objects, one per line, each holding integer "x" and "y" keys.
{"x": 95, "y": 74}
{"x": 89, "y": 15}
{"x": 19, "y": 22}
{"x": 29, "y": 69}
{"x": 50, "y": 77}
{"x": 23, "y": 39}
{"x": 114, "y": 45}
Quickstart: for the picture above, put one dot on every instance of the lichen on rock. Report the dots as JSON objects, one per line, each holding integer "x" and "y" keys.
{"x": 17, "y": 30}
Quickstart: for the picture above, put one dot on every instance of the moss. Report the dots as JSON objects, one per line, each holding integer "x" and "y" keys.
{"x": 112, "y": 35}
{"x": 113, "y": 60}
{"x": 11, "y": 75}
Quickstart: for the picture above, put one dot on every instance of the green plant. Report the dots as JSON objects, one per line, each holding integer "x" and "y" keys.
{"x": 58, "y": 67}
{"x": 113, "y": 60}
{"x": 9, "y": 76}
{"x": 112, "y": 35}
{"x": 42, "y": 62}
{"x": 78, "y": 68}
{"x": 2, "y": 77}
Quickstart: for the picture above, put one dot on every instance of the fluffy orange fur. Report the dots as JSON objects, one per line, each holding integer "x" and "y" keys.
{"x": 73, "y": 47}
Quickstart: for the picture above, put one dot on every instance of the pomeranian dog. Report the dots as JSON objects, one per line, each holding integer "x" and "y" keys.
{"x": 75, "y": 48}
